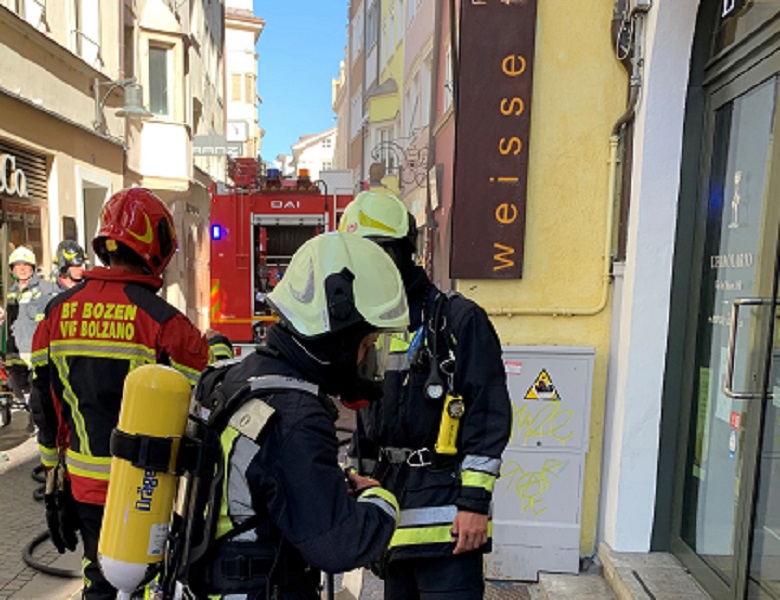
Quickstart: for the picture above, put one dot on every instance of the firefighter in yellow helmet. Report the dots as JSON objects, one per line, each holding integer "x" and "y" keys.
{"x": 285, "y": 511}
{"x": 450, "y": 358}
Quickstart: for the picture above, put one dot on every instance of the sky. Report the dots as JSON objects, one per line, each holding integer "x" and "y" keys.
{"x": 299, "y": 53}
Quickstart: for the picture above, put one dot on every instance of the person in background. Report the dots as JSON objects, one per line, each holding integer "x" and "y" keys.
{"x": 91, "y": 337}
{"x": 25, "y": 304}
{"x": 70, "y": 261}
{"x": 450, "y": 354}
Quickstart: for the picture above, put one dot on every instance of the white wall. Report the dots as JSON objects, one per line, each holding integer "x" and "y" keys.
{"x": 636, "y": 363}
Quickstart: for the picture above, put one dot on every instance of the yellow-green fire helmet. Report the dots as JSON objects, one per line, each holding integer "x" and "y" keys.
{"x": 336, "y": 280}
{"x": 379, "y": 215}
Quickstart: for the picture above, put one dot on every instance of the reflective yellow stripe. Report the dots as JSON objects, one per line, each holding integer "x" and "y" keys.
{"x": 384, "y": 494}
{"x": 73, "y": 470}
{"x": 477, "y": 479}
{"x": 49, "y": 456}
{"x": 384, "y": 499}
{"x": 399, "y": 343}
{"x": 224, "y": 523}
{"x": 219, "y": 352}
{"x": 39, "y": 357}
{"x": 102, "y": 348}
{"x": 190, "y": 373}
{"x": 436, "y": 534}
{"x": 70, "y": 397}
{"x": 101, "y": 461}
{"x": 84, "y": 465}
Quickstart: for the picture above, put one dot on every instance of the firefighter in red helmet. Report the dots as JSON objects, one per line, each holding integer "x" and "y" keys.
{"x": 91, "y": 337}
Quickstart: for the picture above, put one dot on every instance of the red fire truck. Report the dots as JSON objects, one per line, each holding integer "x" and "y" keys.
{"x": 256, "y": 226}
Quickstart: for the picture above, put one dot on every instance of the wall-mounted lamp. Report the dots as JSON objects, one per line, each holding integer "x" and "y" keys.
{"x": 134, "y": 105}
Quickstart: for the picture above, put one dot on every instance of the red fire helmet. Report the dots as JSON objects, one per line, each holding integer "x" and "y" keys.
{"x": 137, "y": 218}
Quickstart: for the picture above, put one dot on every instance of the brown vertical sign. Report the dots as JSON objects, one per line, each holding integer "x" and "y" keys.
{"x": 492, "y": 126}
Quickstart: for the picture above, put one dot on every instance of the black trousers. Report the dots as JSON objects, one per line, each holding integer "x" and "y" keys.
{"x": 19, "y": 381}
{"x": 96, "y": 587}
{"x": 456, "y": 577}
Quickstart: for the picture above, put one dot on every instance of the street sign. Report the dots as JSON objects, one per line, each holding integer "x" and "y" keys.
{"x": 216, "y": 145}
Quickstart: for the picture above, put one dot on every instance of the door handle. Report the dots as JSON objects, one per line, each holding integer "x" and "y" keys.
{"x": 728, "y": 380}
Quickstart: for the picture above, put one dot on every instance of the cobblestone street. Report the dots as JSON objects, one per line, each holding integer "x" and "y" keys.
{"x": 22, "y": 519}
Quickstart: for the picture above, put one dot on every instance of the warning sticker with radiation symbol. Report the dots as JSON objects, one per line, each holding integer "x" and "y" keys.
{"x": 543, "y": 388}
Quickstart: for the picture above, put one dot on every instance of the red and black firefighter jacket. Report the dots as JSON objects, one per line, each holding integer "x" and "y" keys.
{"x": 92, "y": 336}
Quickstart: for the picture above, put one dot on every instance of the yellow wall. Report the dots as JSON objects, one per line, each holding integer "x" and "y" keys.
{"x": 579, "y": 92}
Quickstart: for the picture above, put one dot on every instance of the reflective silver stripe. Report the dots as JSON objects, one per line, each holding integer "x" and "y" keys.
{"x": 88, "y": 466}
{"x": 483, "y": 464}
{"x": 398, "y": 361}
{"x": 381, "y": 503}
{"x": 432, "y": 515}
{"x": 267, "y": 382}
{"x": 239, "y": 499}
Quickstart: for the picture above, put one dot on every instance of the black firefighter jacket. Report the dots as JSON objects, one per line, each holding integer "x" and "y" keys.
{"x": 405, "y": 420}
{"x": 290, "y": 483}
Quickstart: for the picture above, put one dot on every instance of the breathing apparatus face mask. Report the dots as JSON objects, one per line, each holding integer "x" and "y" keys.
{"x": 370, "y": 374}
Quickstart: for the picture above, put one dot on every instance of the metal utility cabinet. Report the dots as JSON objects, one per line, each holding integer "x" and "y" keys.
{"x": 538, "y": 498}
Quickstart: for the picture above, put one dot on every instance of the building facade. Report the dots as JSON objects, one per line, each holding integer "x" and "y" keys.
{"x": 242, "y": 31}
{"x": 177, "y": 53}
{"x": 97, "y": 96}
{"x": 651, "y": 239}
{"x": 57, "y": 164}
{"x": 314, "y": 153}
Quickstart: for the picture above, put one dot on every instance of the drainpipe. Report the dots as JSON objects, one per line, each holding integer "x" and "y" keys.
{"x": 636, "y": 18}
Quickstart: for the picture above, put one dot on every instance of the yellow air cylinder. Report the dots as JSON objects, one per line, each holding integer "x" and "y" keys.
{"x": 446, "y": 442}
{"x": 155, "y": 402}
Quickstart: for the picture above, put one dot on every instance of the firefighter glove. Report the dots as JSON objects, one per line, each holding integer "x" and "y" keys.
{"x": 61, "y": 518}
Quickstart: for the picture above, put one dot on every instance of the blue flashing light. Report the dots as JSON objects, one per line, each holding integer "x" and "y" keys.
{"x": 217, "y": 232}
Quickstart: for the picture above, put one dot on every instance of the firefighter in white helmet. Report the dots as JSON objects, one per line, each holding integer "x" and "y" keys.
{"x": 26, "y": 301}
{"x": 285, "y": 510}
{"x": 446, "y": 384}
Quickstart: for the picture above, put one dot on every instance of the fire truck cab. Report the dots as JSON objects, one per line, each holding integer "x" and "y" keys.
{"x": 256, "y": 227}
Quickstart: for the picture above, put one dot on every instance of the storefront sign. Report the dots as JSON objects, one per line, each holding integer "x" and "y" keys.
{"x": 13, "y": 181}
{"x": 492, "y": 126}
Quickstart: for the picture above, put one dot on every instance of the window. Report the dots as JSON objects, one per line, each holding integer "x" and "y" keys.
{"x": 372, "y": 26}
{"x": 412, "y": 108}
{"x": 449, "y": 84}
{"x": 425, "y": 92}
{"x": 356, "y": 114}
{"x": 249, "y": 88}
{"x": 399, "y": 21}
{"x": 235, "y": 87}
{"x": 411, "y": 11}
{"x": 85, "y": 20}
{"x": 327, "y": 143}
{"x": 357, "y": 35}
{"x": 386, "y": 153}
{"x": 327, "y": 166}
{"x": 159, "y": 80}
